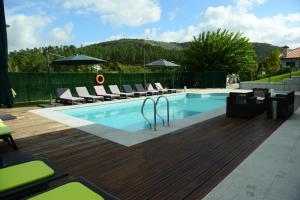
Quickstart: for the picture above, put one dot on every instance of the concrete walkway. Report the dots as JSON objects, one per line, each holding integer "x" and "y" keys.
{"x": 271, "y": 172}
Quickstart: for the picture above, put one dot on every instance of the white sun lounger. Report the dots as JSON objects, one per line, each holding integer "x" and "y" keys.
{"x": 84, "y": 93}
{"x": 115, "y": 90}
{"x": 100, "y": 91}
{"x": 140, "y": 88}
{"x": 160, "y": 87}
{"x": 150, "y": 88}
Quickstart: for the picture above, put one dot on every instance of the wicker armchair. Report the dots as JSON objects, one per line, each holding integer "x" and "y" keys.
{"x": 262, "y": 95}
{"x": 285, "y": 104}
{"x": 243, "y": 105}
{"x": 261, "y": 92}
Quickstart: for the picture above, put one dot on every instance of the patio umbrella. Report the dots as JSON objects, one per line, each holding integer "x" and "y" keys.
{"x": 163, "y": 63}
{"x": 71, "y": 60}
{"x": 77, "y": 60}
{"x": 5, "y": 88}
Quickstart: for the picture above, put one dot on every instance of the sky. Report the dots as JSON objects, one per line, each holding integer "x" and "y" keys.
{"x": 35, "y": 23}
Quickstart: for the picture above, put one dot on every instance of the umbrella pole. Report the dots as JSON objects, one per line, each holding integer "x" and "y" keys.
{"x": 173, "y": 78}
{"x": 145, "y": 81}
{"x": 49, "y": 77}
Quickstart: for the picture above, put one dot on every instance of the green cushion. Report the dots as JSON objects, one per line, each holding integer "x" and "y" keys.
{"x": 73, "y": 190}
{"x": 5, "y": 130}
{"x": 24, "y": 173}
{"x": 2, "y": 124}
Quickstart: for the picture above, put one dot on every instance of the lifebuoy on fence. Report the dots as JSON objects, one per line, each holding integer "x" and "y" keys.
{"x": 100, "y": 79}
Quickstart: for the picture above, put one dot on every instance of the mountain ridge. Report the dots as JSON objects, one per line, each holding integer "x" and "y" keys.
{"x": 262, "y": 49}
{"x": 128, "y": 52}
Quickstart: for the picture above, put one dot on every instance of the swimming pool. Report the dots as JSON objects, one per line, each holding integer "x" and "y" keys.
{"x": 126, "y": 116}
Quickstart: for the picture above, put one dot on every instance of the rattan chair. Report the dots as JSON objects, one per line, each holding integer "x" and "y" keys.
{"x": 243, "y": 105}
{"x": 285, "y": 105}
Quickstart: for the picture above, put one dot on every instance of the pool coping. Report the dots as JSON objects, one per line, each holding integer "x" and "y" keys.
{"x": 118, "y": 136}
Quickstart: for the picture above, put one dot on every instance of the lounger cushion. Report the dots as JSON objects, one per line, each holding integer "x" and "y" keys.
{"x": 4, "y": 130}
{"x": 24, "y": 173}
{"x": 73, "y": 190}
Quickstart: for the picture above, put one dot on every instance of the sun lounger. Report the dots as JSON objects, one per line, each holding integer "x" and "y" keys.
{"x": 5, "y": 134}
{"x": 128, "y": 88}
{"x": 11, "y": 157}
{"x": 140, "y": 88}
{"x": 25, "y": 178}
{"x": 115, "y": 90}
{"x": 84, "y": 93}
{"x": 75, "y": 189}
{"x": 64, "y": 96}
{"x": 100, "y": 91}
{"x": 160, "y": 87}
{"x": 150, "y": 88}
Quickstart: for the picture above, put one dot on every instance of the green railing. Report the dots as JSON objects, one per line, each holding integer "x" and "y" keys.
{"x": 34, "y": 86}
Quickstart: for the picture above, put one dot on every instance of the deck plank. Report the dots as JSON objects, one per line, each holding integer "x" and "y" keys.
{"x": 185, "y": 164}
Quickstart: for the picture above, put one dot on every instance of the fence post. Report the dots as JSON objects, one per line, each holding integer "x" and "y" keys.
{"x": 120, "y": 79}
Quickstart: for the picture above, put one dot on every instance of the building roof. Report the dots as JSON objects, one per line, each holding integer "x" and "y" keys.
{"x": 293, "y": 53}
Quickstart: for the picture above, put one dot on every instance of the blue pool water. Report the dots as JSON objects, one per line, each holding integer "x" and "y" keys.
{"x": 127, "y": 116}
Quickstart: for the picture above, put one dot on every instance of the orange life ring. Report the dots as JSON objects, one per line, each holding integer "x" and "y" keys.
{"x": 100, "y": 79}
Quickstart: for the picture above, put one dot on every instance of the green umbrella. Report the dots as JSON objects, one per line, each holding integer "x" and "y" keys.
{"x": 77, "y": 60}
{"x": 70, "y": 60}
{"x": 161, "y": 63}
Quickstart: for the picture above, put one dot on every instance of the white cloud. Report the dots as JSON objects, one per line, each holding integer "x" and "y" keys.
{"x": 278, "y": 29}
{"x": 118, "y": 12}
{"x": 245, "y": 5}
{"x": 172, "y": 15}
{"x": 25, "y": 30}
{"x": 62, "y": 35}
{"x": 117, "y": 37}
{"x": 29, "y": 31}
{"x": 181, "y": 35}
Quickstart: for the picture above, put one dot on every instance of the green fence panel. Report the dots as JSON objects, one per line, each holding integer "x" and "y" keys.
{"x": 29, "y": 86}
{"x": 209, "y": 79}
{"x": 131, "y": 79}
{"x": 34, "y": 86}
{"x": 166, "y": 79}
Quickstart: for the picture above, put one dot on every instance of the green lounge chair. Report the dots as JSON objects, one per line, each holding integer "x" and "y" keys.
{"x": 19, "y": 180}
{"x": 5, "y": 134}
{"x": 76, "y": 189}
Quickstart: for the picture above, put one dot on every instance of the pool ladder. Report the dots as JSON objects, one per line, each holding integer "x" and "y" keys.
{"x": 155, "y": 113}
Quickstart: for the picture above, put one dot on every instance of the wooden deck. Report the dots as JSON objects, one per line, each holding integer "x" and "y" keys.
{"x": 185, "y": 164}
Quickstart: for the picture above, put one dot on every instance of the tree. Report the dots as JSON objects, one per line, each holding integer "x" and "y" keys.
{"x": 273, "y": 62}
{"x": 220, "y": 50}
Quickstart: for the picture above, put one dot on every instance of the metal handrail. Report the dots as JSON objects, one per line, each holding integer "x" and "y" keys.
{"x": 168, "y": 109}
{"x": 154, "y": 107}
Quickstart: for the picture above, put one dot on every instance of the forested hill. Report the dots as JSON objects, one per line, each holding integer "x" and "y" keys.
{"x": 263, "y": 50}
{"x": 124, "y": 51}
{"x": 131, "y": 51}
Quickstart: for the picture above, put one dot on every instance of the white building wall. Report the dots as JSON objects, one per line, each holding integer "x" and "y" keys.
{"x": 284, "y": 61}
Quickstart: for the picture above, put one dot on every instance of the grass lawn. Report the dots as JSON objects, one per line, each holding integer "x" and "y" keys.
{"x": 278, "y": 78}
